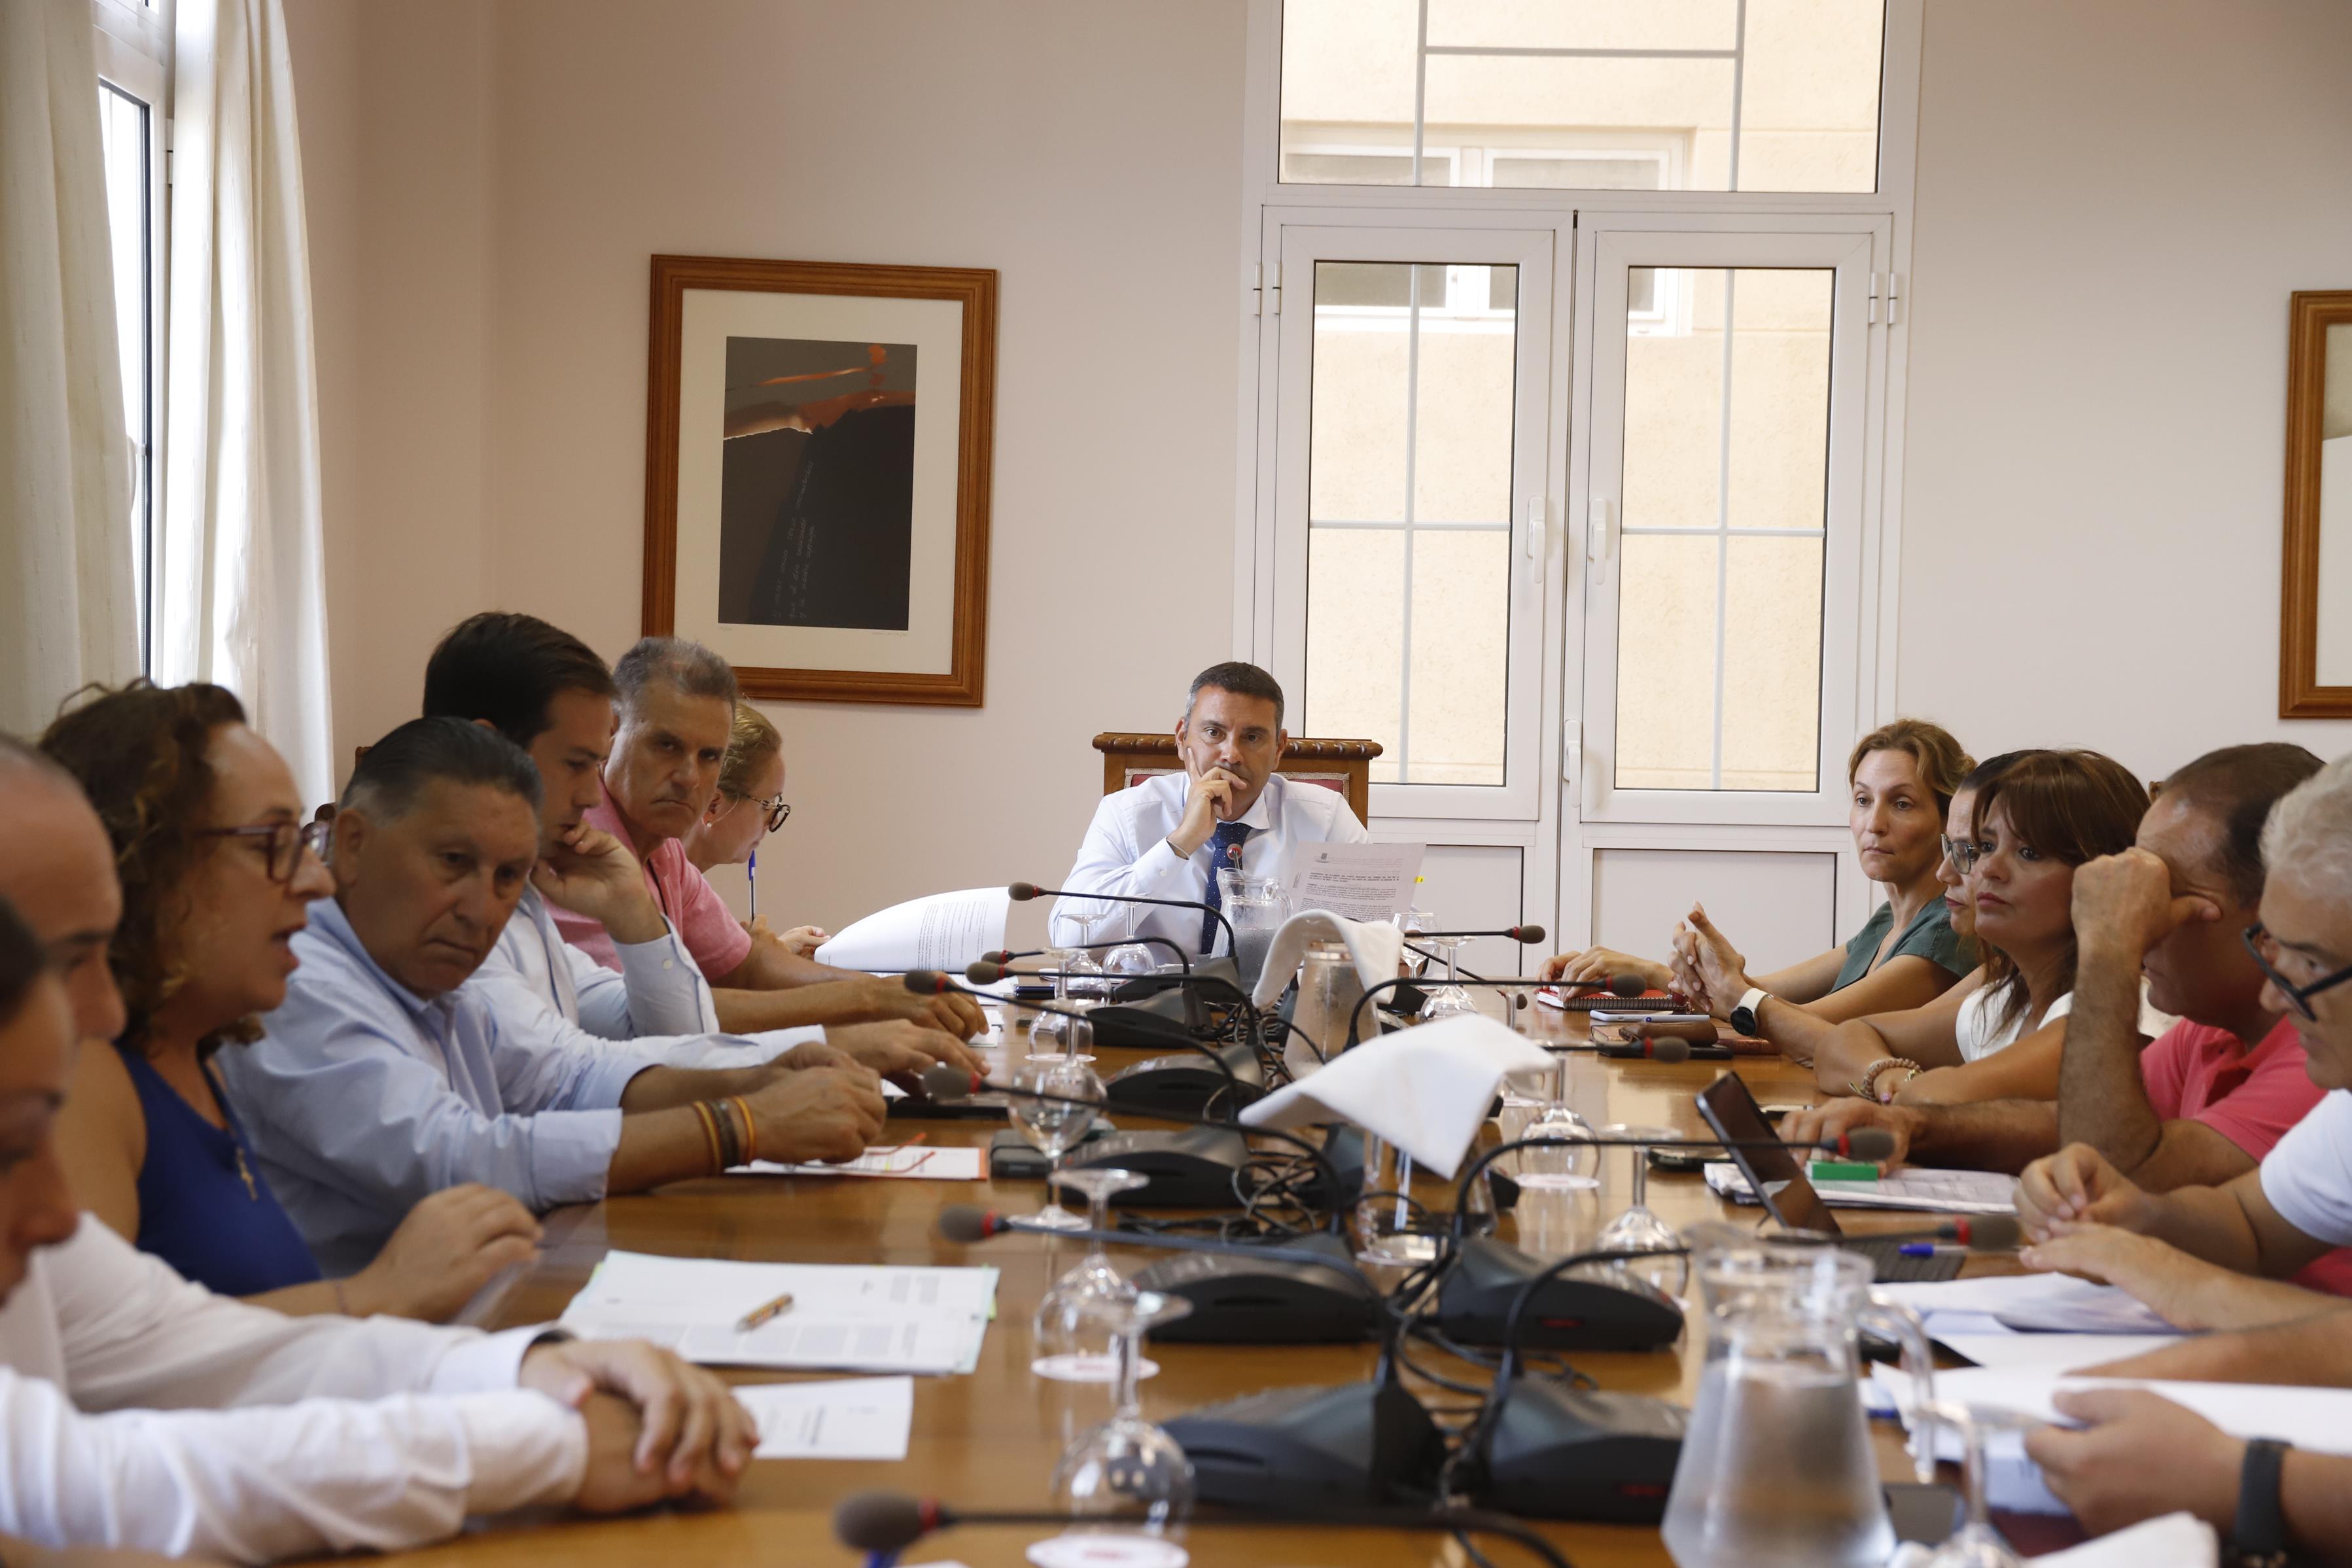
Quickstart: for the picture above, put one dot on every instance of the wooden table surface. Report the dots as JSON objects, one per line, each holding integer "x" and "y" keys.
{"x": 990, "y": 1439}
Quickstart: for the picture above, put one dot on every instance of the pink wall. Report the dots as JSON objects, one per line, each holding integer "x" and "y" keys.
{"x": 488, "y": 182}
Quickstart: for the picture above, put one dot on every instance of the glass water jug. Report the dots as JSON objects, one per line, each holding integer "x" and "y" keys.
{"x": 1256, "y": 906}
{"x": 1329, "y": 991}
{"x": 1778, "y": 1471}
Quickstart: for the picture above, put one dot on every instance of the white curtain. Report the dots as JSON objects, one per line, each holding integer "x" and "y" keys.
{"x": 240, "y": 582}
{"x": 67, "y": 612}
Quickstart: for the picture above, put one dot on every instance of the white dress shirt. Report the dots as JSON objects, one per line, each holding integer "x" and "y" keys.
{"x": 142, "y": 1410}
{"x": 1126, "y": 851}
{"x": 2307, "y": 1175}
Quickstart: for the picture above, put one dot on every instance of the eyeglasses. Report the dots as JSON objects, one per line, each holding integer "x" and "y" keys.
{"x": 777, "y": 810}
{"x": 283, "y": 844}
{"x": 1963, "y": 854}
{"x": 2263, "y": 946}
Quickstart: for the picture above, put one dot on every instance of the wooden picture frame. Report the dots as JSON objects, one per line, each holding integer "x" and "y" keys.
{"x": 921, "y": 338}
{"x": 2315, "y": 655}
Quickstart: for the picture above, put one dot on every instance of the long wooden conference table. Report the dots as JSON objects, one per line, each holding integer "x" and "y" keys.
{"x": 990, "y": 1439}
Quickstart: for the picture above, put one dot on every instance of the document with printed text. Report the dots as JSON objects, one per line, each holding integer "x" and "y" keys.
{"x": 945, "y": 931}
{"x": 834, "y": 1418}
{"x": 1354, "y": 881}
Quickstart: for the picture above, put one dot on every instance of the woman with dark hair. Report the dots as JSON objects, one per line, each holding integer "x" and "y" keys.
{"x": 218, "y": 870}
{"x": 2033, "y": 823}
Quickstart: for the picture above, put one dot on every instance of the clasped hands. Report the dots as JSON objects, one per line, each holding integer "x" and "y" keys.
{"x": 660, "y": 1429}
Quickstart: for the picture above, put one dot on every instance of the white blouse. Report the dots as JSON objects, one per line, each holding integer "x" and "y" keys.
{"x": 138, "y": 1409}
{"x": 1978, "y": 1039}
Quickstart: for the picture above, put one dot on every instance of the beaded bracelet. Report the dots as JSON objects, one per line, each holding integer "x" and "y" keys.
{"x": 1867, "y": 1086}
{"x": 710, "y": 1135}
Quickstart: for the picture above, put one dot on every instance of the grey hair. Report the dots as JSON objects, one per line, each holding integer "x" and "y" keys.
{"x": 2309, "y": 834}
{"x": 688, "y": 668}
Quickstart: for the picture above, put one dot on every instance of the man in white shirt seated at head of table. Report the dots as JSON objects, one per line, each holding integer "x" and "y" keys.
{"x": 138, "y": 1410}
{"x": 1168, "y": 836}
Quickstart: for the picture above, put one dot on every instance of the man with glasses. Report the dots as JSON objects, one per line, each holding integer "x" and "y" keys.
{"x": 2136, "y": 1455}
{"x": 676, "y": 711}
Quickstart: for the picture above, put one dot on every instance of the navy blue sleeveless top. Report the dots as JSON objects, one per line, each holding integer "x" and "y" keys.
{"x": 203, "y": 1206}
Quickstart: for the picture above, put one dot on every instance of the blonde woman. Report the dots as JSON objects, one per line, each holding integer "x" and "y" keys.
{"x": 747, "y": 806}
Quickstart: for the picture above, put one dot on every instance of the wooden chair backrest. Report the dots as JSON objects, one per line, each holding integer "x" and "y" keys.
{"x": 1342, "y": 764}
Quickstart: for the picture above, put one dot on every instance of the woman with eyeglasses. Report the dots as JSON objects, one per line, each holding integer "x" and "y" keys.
{"x": 218, "y": 869}
{"x": 747, "y": 806}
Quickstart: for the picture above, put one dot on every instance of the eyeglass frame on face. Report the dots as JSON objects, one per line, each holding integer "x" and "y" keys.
{"x": 2298, "y": 997}
{"x": 312, "y": 836}
{"x": 1963, "y": 854}
{"x": 779, "y": 809}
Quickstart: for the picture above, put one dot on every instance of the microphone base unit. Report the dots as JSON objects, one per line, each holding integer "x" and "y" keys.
{"x": 1288, "y": 1448}
{"x": 1558, "y": 1452}
{"x": 1569, "y": 1312}
{"x": 1240, "y": 1299}
{"x": 1194, "y": 1168}
{"x": 1184, "y": 1085}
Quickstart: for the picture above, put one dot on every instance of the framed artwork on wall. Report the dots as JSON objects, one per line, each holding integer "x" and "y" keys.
{"x": 2316, "y": 597}
{"x": 817, "y": 444}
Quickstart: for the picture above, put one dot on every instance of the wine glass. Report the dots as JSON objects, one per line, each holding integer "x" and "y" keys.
{"x": 1639, "y": 1228}
{"x": 1565, "y": 1167}
{"x": 1053, "y": 1127}
{"x": 1081, "y": 972}
{"x": 1126, "y": 1485}
{"x": 1975, "y": 1544}
{"x": 1072, "y": 1338}
{"x": 1131, "y": 962}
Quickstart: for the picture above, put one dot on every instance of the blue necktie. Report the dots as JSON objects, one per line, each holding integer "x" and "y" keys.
{"x": 1226, "y": 856}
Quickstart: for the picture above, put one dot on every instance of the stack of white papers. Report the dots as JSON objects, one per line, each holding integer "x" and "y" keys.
{"x": 844, "y": 1318}
{"x": 2030, "y": 1303}
{"x": 1913, "y": 1187}
{"x": 837, "y": 1418}
{"x": 2316, "y": 1418}
{"x": 907, "y": 1161}
{"x": 945, "y": 931}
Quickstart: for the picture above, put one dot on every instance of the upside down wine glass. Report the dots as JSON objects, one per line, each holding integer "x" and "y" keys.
{"x": 1975, "y": 1544}
{"x": 1639, "y": 1228}
{"x": 1072, "y": 1335}
{"x": 1564, "y": 1166}
{"x": 1126, "y": 1485}
{"x": 1054, "y": 1127}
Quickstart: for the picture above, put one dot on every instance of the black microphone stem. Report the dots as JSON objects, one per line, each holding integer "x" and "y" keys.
{"x": 930, "y": 987}
{"x": 1182, "y": 957}
{"x": 1232, "y": 943}
{"x": 1356, "y": 1017}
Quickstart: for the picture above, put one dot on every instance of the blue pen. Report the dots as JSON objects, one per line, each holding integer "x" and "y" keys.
{"x": 1926, "y": 1249}
{"x": 751, "y": 871}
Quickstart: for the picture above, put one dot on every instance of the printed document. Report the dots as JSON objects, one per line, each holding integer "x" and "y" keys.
{"x": 835, "y": 1419}
{"x": 2030, "y": 1303}
{"x": 945, "y": 931}
{"x": 843, "y": 1317}
{"x": 919, "y": 1162}
{"x": 1913, "y": 1187}
{"x": 1356, "y": 882}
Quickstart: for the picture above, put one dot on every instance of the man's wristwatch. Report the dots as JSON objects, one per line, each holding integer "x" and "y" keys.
{"x": 1743, "y": 1017}
{"x": 2258, "y": 1538}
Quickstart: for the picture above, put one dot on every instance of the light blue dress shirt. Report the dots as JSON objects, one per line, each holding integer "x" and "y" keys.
{"x": 362, "y": 1098}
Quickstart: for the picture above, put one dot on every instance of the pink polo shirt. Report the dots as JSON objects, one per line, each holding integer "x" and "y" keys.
{"x": 2250, "y": 1097}
{"x": 701, "y": 918}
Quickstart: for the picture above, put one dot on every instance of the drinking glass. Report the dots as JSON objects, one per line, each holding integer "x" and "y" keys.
{"x": 1131, "y": 962}
{"x": 1073, "y": 1340}
{"x": 1639, "y": 1230}
{"x": 1051, "y": 1126}
{"x": 1389, "y": 1228}
{"x": 1126, "y": 1485}
{"x": 1975, "y": 1544}
{"x": 1563, "y": 1166}
{"x": 1081, "y": 972}
{"x": 1450, "y": 1000}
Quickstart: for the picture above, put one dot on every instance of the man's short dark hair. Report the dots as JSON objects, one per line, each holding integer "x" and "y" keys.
{"x": 23, "y": 961}
{"x": 2237, "y": 786}
{"x": 508, "y": 669}
{"x": 684, "y": 667}
{"x": 1243, "y": 680}
{"x": 428, "y": 750}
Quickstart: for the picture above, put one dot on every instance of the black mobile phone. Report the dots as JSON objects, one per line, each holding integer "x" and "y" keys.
{"x": 1689, "y": 1161}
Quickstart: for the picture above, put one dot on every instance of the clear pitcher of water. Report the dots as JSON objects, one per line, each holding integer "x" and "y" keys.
{"x": 1329, "y": 991}
{"x": 1778, "y": 1471}
{"x": 1256, "y": 906}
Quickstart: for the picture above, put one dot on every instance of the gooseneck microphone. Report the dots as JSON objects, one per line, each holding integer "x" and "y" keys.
{"x": 1006, "y": 954}
{"x": 1528, "y": 936}
{"x": 932, "y": 983}
{"x": 1869, "y": 1144}
{"x": 887, "y": 1523}
{"x": 969, "y": 1223}
{"x": 1022, "y": 891}
{"x": 944, "y": 1082}
{"x": 1356, "y": 1017}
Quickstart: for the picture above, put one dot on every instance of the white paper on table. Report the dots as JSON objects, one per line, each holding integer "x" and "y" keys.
{"x": 945, "y": 931}
{"x": 2175, "y": 1540}
{"x": 835, "y": 1419}
{"x": 1363, "y": 882}
{"x": 1424, "y": 1089}
{"x": 914, "y": 1162}
{"x": 849, "y": 1318}
{"x": 2043, "y": 1303}
{"x": 1912, "y": 1187}
{"x": 1375, "y": 946}
{"x": 2050, "y": 1353}
{"x": 2316, "y": 1418}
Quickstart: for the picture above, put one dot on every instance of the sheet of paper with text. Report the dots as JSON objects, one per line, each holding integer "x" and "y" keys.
{"x": 1354, "y": 881}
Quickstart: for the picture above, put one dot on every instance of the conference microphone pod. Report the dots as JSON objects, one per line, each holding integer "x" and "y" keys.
{"x": 1301, "y": 1448}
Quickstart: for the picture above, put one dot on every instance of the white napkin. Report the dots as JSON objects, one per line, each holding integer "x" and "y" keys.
{"x": 1375, "y": 949}
{"x": 1424, "y": 1089}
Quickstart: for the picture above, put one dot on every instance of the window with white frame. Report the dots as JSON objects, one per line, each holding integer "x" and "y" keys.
{"x": 135, "y": 53}
{"x": 1696, "y": 95}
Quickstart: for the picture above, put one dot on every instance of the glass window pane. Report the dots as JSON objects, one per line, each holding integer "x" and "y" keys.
{"x": 1461, "y": 648}
{"x": 1718, "y": 682}
{"x": 1665, "y": 663}
{"x": 1409, "y": 496}
{"x": 1585, "y": 94}
{"x": 1355, "y": 603}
